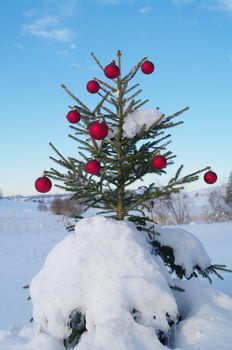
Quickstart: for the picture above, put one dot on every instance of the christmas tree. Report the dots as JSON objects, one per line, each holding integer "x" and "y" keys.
{"x": 115, "y": 155}
{"x": 113, "y": 283}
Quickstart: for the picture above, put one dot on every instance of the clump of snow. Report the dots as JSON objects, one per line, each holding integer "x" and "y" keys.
{"x": 134, "y": 121}
{"x": 207, "y": 317}
{"x": 187, "y": 249}
{"x": 105, "y": 270}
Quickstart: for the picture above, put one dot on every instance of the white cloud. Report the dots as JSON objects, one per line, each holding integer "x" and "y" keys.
{"x": 47, "y": 22}
{"x": 48, "y": 27}
{"x": 144, "y": 10}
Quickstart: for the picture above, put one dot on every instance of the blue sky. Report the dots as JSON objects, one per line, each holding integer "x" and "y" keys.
{"x": 46, "y": 42}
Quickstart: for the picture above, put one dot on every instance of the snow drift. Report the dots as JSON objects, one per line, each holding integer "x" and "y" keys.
{"x": 105, "y": 270}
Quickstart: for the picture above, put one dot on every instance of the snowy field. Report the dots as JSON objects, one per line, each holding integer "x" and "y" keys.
{"x": 26, "y": 237}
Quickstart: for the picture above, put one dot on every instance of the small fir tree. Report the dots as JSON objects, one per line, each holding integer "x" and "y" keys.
{"x": 122, "y": 144}
{"x": 121, "y": 158}
{"x": 119, "y": 144}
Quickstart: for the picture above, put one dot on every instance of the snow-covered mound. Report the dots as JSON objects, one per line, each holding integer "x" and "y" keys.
{"x": 27, "y": 236}
{"x": 105, "y": 270}
{"x": 188, "y": 250}
{"x": 207, "y": 317}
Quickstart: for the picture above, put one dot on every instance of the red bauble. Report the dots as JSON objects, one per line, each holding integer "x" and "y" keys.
{"x": 92, "y": 86}
{"x": 73, "y": 116}
{"x": 111, "y": 71}
{"x": 43, "y": 184}
{"x": 93, "y": 167}
{"x": 159, "y": 162}
{"x": 210, "y": 177}
{"x": 147, "y": 67}
{"x": 98, "y": 130}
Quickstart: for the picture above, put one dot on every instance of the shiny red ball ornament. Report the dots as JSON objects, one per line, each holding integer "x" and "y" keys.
{"x": 92, "y": 86}
{"x": 98, "y": 130}
{"x": 73, "y": 116}
{"x": 159, "y": 162}
{"x": 43, "y": 184}
{"x": 93, "y": 167}
{"x": 210, "y": 177}
{"x": 111, "y": 71}
{"x": 147, "y": 67}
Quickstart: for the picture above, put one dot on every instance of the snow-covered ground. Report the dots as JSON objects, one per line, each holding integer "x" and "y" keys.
{"x": 26, "y": 237}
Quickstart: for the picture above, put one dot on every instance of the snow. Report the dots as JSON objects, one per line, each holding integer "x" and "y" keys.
{"x": 187, "y": 249}
{"x": 217, "y": 238}
{"x": 27, "y": 236}
{"x": 27, "y": 339}
{"x": 105, "y": 275}
{"x": 134, "y": 121}
{"x": 208, "y": 318}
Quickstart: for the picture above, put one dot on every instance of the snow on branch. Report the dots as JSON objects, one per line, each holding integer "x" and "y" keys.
{"x": 134, "y": 121}
{"x": 188, "y": 251}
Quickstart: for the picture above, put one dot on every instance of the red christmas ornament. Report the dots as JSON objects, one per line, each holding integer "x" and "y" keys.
{"x": 73, "y": 116}
{"x": 98, "y": 130}
{"x": 147, "y": 67}
{"x": 93, "y": 167}
{"x": 210, "y": 177}
{"x": 92, "y": 86}
{"x": 43, "y": 184}
{"x": 159, "y": 162}
{"x": 111, "y": 71}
